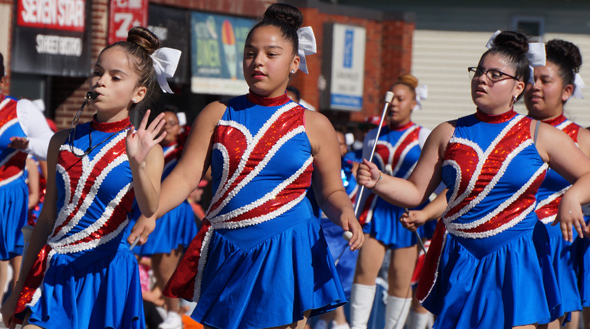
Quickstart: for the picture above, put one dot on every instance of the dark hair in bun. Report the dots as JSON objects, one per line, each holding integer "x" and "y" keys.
{"x": 409, "y": 81}
{"x": 566, "y": 56}
{"x": 286, "y": 18}
{"x": 140, "y": 44}
{"x": 514, "y": 47}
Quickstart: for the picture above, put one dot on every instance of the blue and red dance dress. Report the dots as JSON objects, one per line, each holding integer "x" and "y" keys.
{"x": 86, "y": 276}
{"x": 260, "y": 258}
{"x": 14, "y": 192}
{"x": 396, "y": 154}
{"x": 564, "y": 254}
{"x": 485, "y": 268}
{"x": 177, "y": 227}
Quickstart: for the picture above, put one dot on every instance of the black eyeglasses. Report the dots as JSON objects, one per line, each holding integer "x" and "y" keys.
{"x": 492, "y": 74}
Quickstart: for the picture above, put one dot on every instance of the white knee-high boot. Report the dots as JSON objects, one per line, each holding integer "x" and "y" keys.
{"x": 361, "y": 303}
{"x": 396, "y": 312}
{"x": 419, "y": 320}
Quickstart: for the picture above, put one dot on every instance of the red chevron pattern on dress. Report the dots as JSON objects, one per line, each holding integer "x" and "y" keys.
{"x": 478, "y": 173}
{"x": 244, "y": 157}
{"x": 388, "y": 155}
{"x": 83, "y": 178}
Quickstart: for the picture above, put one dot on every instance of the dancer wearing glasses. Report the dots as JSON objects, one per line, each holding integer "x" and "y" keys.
{"x": 485, "y": 267}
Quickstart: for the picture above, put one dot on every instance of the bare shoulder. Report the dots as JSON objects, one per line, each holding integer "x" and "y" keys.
{"x": 212, "y": 112}
{"x": 315, "y": 120}
{"x": 442, "y": 133}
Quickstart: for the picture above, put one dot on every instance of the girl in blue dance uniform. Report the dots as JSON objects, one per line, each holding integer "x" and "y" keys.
{"x": 485, "y": 268}
{"x": 260, "y": 259}
{"x": 397, "y": 152}
{"x": 79, "y": 271}
{"x": 554, "y": 84}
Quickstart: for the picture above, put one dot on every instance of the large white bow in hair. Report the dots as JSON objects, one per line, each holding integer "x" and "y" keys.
{"x": 421, "y": 94}
{"x": 165, "y": 63}
{"x": 307, "y": 46}
{"x": 578, "y": 85}
{"x": 535, "y": 55}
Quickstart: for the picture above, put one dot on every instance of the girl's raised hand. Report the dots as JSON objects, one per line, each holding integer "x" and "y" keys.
{"x": 139, "y": 142}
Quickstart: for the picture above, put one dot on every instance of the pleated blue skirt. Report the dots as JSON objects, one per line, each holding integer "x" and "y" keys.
{"x": 176, "y": 228}
{"x": 565, "y": 258}
{"x": 14, "y": 199}
{"x": 511, "y": 286}
{"x": 268, "y": 275}
{"x": 97, "y": 291}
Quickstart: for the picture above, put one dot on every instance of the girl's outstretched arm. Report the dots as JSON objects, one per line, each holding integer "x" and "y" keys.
{"x": 185, "y": 177}
{"x": 422, "y": 182}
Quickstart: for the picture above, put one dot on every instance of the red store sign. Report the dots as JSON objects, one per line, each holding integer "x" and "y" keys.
{"x": 66, "y": 15}
{"x": 124, "y": 15}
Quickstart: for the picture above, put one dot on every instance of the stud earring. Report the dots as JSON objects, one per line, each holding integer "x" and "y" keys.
{"x": 292, "y": 71}
{"x": 513, "y": 99}
{"x": 134, "y": 101}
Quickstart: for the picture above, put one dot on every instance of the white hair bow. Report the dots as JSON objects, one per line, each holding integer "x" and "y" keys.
{"x": 307, "y": 46}
{"x": 165, "y": 63}
{"x": 535, "y": 55}
{"x": 578, "y": 85}
{"x": 421, "y": 94}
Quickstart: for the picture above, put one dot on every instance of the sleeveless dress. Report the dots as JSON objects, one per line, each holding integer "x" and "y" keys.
{"x": 14, "y": 193}
{"x": 488, "y": 263}
{"x": 260, "y": 258}
{"x": 564, "y": 254}
{"x": 396, "y": 154}
{"x": 85, "y": 276}
{"x": 177, "y": 227}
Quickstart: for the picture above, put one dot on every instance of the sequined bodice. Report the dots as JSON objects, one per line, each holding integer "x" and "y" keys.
{"x": 261, "y": 162}
{"x": 95, "y": 192}
{"x": 493, "y": 170}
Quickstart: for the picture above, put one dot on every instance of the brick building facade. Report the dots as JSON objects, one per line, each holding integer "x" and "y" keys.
{"x": 388, "y": 51}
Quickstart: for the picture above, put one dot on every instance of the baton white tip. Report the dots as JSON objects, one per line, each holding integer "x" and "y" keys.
{"x": 347, "y": 235}
{"x": 388, "y": 97}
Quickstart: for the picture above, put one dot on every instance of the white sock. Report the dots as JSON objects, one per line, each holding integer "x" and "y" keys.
{"x": 419, "y": 320}
{"x": 396, "y": 312}
{"x": 361, "y": 304}
{"x": 340, "y": 326}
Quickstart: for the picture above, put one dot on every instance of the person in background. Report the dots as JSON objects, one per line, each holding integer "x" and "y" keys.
{"x": 175, "y": 229}
{"x": 397, "y": 152}
{"x": 554, "y": 84}
{"x": 24, "y": 132}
